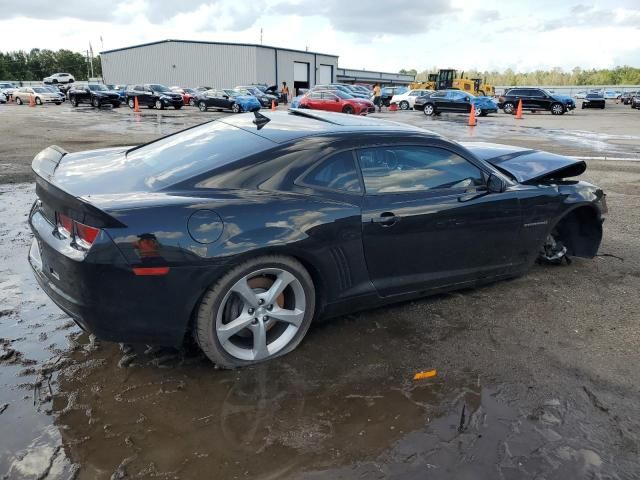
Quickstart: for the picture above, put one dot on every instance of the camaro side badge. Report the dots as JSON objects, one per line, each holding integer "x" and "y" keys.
{"x": 535, "y": 224}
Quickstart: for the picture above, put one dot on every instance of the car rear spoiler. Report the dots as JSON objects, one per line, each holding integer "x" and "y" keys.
{"x": 44, "y": 166}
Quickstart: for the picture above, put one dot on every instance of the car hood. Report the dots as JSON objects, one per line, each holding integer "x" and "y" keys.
{"x": 526, "y": 165}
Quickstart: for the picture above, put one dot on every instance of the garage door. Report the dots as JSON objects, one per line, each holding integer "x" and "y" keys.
{"x": 326, "y": 74}
{"x": 300, "y": 72}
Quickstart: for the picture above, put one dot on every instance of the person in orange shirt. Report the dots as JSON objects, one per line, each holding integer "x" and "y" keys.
{"x": 377, "y": 96}
{"x": 284, "y": 93}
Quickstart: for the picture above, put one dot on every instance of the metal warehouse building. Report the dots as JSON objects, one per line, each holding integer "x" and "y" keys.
{"x": 215, "y": 64}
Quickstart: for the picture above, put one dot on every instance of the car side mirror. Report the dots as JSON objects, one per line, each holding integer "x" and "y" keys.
{"x": 495, "y": 184}
{"x": 226, "y": 97}
{"x": 337, "y": 99}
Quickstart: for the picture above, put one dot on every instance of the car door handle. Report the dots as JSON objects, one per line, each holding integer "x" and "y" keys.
{"x": 386, "y": 219}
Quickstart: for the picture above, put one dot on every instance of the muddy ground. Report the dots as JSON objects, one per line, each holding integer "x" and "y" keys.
{"x": 537, "y": 377}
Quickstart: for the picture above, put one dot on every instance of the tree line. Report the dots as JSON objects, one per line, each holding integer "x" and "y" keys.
{"x": 623, "y": 75}
{"x": 37, "y": 64}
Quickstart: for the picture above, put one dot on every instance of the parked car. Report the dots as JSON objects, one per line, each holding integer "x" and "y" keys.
{"x": 568, "y": 102}
{"x": 338, "y": 87}
{"x": 580, "y": 95}
{"x": 59, "y": 78}
{"x": 593, "y": 100}
{"x": 153, "y": 95}
{"x": 3, "y": 97}
{"x": 95, "y": 94}
{"x": 612, "y": 95}
{"x": 454, "y": 101}
{"x": 265, "y": 99}
{"x": 241, "y": 231}
{"x": 635, "y": 101}
{"x": 188, "y": 94}
{"x": 227, "y": 99}
{"x": 57, "y": 92}
{"x": 40, "y": 95}
{"x": 7, "y": 88}
{"x": 295, "y": 101}
{"x": 406, "y": 100}
{"x": 356, "y": 92}
{"x": 387, "y": 93}
{"x": 533, "y": 99}
{"x": 626, "y": 96}
{"x": 336, "y": 101}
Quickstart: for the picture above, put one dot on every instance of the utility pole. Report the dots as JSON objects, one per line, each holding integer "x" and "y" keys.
{"x": 91, "y": 61}
{"x": 88, "y": 73}
{"x": 260, "y": 35}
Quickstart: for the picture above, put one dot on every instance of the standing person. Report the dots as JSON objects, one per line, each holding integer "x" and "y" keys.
{"x": 377, "y": 96}
{"x": 284, "y": 93}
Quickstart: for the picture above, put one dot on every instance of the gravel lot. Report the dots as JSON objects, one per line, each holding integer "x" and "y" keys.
{"x": 537, "y": 377}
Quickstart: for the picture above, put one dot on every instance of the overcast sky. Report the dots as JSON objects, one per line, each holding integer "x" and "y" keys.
{"x": 376, "y": 35}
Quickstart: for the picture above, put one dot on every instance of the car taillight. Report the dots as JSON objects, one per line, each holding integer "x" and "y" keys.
{"x": 84, "y": 235}
{"x": 65, "y": 224}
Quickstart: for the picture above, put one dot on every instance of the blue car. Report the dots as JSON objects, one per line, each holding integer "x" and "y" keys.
{"x": 568, "y": 102}
{"x": 455, "y": 101}
{"x": 295, "y": 103}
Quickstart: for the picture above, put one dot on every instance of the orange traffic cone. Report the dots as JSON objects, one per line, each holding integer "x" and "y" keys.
{"x": 273, "y": 105}
{"x": 519, "y": 110}
{"x": 473, "y": 121}
{"x": 32, "y": 103}
{"x": 136, "y": 105}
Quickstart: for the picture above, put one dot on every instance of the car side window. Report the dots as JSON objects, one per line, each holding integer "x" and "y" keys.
{"x": 407, "y": 169}
{"x": 338, "y": 172}
{"x": 315, "y": 96}
{"x": 329, "y": 96}
{"x": 439, "y": 95}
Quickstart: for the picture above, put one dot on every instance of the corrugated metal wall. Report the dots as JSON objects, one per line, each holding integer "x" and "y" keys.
{"x": 182, "y": 63}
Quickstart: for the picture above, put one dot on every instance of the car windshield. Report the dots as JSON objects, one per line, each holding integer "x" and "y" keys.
{"x": 252, "y": 90}
{"x": 158, "y": 88}
{"x": 40, "y": 90}
{"x": 97, "y": 87}
{"x": 546, "y": 92}
{"x": 242, "y": 91}
{"x": 231, "y": 93}
{"x": 342, "y": 94}
{"x": 190, "y": 91}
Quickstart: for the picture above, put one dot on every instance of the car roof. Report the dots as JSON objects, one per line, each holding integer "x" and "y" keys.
{"x": 294, "y": 124}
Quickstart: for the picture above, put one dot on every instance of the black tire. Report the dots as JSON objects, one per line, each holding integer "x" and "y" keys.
{"x": 95, "y": 103}
{"x": 202, "y": 106}
{"x": 55, "y": 80}
{"x": 38, "y": 101}
{"x": 177, "y": 107}
{"x": 192, "y": 102}
{"x": 557, "y": 109}
{"x": 235, "y": 108}
{"x": 429, "y": 109}
{"x": 602, "y": 107}
{"x": 509, "y": 108}
{"x": 116, "y": 105}
{"x": 205, "y": 322}
{"x": 19, "y": 101}
{"x": 131, "y": 103}
{"x": 583, "y": 106}
{"x": 404, "y": 105}
{"x": 58, "y": 103}
{"x": 348, "y": 109}
{"x": 159, "y": 105}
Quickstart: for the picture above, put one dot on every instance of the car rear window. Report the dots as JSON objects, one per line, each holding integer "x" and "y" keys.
{"x": 191, "y": 152}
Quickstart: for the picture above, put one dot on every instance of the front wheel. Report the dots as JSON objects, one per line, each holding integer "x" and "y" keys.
{"x": 557, "y": 109}
{"x": 348, "y": 109}
{"x": 159, "y": 105}
{"x": 19, "y": 101}
{"x": 192, "y": 102}
{"x": 202, "y": 106}
{"x": 257, "y": 311}
{"x": 235, "y": 108}
{"x": 131, "y": 103}
{"x": 404, "y": 105}
{"x": 95, "y": 102}
{"x": 429, "y": 110}
{"x": 508, "y": 108}
{"x": 478, "y": 112}
{"x": 38, "y": 101}
{"x": 177, "y": 107}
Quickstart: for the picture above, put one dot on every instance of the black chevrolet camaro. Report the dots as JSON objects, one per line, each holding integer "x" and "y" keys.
{"x": 241, "y": 231}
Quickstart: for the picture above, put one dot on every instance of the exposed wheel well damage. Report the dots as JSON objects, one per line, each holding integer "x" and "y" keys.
{"x": 580, "y": 231}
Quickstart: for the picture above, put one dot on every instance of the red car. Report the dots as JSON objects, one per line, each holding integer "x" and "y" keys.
{"x": 336, "y": 101}
{"x": 188, "y": 94}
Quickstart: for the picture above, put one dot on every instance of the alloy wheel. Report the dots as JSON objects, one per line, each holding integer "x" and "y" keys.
{"x": 557, "y": 109}
{"x": 428, "y": 110}
{"x": 261, "y": 314}
{"x": 235, "y": 108}
{"x": 508, "y": 108}
{"x": 404, "y": 105}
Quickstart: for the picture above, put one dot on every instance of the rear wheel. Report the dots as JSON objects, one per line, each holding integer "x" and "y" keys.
{"x": 38, "y": 101}
{"x": 557, "y": 109}
{"x": 404, "y": 105}
{"x": 202, "y": 106}
{"x": 159, "y": 105}
{"x": 95, "y": 102}
{"x": 508, "y": 108}
{"x": 478, "y": 111}
{"x": 235, "y": 108}
{"x": 428, "y": 110}
{"x": 348, "y": 109}
{"x": 258, "y": 311}
{"x": 131, "y": 103}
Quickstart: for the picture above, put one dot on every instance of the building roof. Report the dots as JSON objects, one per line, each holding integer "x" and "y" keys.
{"x": 215, "y": 43}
